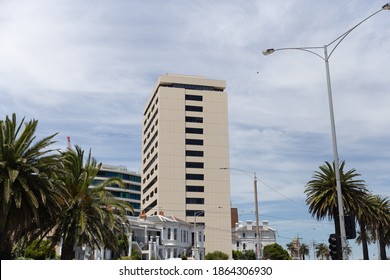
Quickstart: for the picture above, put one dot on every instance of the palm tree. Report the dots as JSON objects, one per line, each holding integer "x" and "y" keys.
{"x": 381, "y": 224}
{"x": 364, "y": 240}
{"x": 348, "y": 250}
{"x": 322, "y": 194}
{"x": 366, "y": 217}
{"x": 29, "y": 187}
{"x": 292, "y": 248}
{"x": 322, "y": 251}
{"x": 92, "y": 216}
{"x": 303, "y": 251}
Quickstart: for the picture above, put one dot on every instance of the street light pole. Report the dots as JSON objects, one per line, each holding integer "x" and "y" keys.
{"x": 331, "y": 113}
{"x": 195, "y": 235}
{"x": 336, "y": 161}
{"x": 258, "y": 244}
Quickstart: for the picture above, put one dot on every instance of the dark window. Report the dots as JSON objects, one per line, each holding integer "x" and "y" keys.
{"x": 198, "y": 213}
{"x": 194, "y": 119}
{"x": 194, "y": 97}
{"x": 135, "y": 205}
{"x": 151, "y": 141}
{"x": 151, "y": 121}
{"x": 194, "y": 153}
{"x": 194, "y": 130}
{"x": 194, "y": 200}
{"x": 154, "y": 180}
{"x": 194, "y": 164}
{"x": 133, "y": 187}
{"x": 195, "y": 188}
{"x": 150, "y": 206}
{"x": 150, "y": 163}
{"x": 190, "y": 176}
{"x": 195, "y": 87}
{"x": 197, "y": 142}
{"x": 194, "y": 108}
{"x": 109, "y": 174}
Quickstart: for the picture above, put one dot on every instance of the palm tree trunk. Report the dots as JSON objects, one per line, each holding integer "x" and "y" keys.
{"x": 5, "y": 247}
{"x": 382, "y": 244}
{"x": 363, "y": 237}
{"x": 67, "y": 251}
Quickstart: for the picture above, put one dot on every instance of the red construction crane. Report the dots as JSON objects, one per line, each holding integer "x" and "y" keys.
{"x": 69, "y": 145}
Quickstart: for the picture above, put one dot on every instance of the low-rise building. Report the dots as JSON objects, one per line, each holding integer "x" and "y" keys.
{"x": 166, "y": 237}
{"x": 156, "y": 237}
{"x": 245, "y": 236}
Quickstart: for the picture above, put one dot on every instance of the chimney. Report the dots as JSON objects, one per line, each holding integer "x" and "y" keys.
{"x": 265, "y": 225}
{"x": 161, "y": 213}
{"x": 249, "y": 225}
{"x": 142, "y": 216}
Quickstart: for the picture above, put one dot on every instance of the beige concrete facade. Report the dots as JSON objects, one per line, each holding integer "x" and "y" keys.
{"x": 185, "y": 143}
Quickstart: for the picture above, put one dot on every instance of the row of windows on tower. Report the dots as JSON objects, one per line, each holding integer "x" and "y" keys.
{"x": 149, "y": 196}
{"x": 194, "y": 153}
{"x": 153, "y": 121}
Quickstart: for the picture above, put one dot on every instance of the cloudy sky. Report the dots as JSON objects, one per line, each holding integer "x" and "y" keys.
{"x": 85, "y": 69}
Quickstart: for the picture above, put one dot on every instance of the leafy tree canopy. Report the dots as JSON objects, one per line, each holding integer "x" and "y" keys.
{"x": 275, "y": 252}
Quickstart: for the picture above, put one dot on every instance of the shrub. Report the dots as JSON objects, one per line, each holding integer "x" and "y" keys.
{"x": 217, "y": 255}
{"x": 40, "y": 250}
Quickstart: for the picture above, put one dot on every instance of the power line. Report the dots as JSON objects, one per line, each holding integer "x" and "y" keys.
{"x": 282, "y": 195}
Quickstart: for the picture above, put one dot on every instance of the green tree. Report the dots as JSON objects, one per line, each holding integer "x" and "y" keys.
{"x": 246, "y": 255}
{"x": 367, "y": 218}
{"x": 381, "y": 224}
{"x": 321, "y": 193}
{"x": 217, "y": 255}
{"x": 303, "y": 251}
{"x": 322, "y": 251}
{"x": 292, "y": 248}
{"x": 92, "y": 216}
{"x": 363, "y": 239}
{"x": 275, "y": 252}
{"x": 29, "y": 188}
{"x": 40, "y": 250}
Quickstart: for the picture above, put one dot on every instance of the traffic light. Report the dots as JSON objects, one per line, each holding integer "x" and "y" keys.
{"x": 350, "y": 226}
{"x": 334, "y": 246}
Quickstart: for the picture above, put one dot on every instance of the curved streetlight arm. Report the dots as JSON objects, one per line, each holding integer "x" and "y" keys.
{"x": 338, "y": 39}
{"x": 241, "y": 170}
{"x": 345, "y": 34}
{"x": 305, "y": 49}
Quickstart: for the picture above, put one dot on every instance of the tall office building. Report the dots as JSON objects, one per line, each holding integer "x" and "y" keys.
{"x": 185, "y": 145}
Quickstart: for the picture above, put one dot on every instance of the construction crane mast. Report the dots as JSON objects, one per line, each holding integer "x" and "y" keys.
{"x": 69, "y": 144}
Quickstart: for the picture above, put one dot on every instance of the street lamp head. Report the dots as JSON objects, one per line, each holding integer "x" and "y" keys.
{"x": 268, "y": 51}
{"x": 386, "y": 7}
